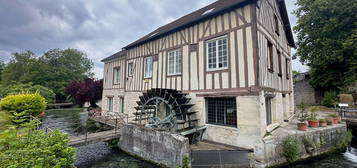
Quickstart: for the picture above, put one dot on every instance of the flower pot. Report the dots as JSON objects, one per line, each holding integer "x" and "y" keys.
{"x": 41, "y": 115}
{"x": 302, "y": 126}
{"x": 335, "y": 120}
{"x": 323, "y": 124}
{"x": 313, "y": 123}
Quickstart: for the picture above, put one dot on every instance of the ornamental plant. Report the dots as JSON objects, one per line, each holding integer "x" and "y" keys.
{"x": 22, "y": 106}
{"x": 36, "y": 149}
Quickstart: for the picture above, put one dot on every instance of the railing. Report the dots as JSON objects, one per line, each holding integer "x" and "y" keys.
{"x": 348, "y": 113}
{"x": 85, "y": 131}
{"x": 39, "y": 125}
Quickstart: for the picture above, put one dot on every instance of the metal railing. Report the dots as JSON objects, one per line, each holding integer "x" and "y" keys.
{"x": 39, "y": 125}
{"x": 348, "y": 112}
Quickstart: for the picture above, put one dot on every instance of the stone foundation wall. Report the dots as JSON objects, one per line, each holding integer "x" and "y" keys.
{"x": 270, "y": 151}
{"x": 157, "y": 146}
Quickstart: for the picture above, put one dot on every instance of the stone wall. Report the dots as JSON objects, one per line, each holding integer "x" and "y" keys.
{"x": 304, "y": 93}
{"x": 270, "y": 151}
{"x": 157, "y": 146}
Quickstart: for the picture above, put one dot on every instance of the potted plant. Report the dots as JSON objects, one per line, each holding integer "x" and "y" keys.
{"x": 312, "y": 120}
{"x": 302, "y": 126}
{"x": 329, "y": 122}
{"x": 334, "y": 118}
{"x": 322, "y": 123}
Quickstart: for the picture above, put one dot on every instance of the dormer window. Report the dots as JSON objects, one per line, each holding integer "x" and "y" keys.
{"x": 208, "y": 11}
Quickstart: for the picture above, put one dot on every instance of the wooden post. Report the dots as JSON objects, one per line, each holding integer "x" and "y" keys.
{"x": 116, "y": 125}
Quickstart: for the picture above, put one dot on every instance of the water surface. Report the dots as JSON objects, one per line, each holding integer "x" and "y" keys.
{"x": 98, "y": 155}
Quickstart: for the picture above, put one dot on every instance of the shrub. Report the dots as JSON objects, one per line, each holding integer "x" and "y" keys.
{"x": 35, "y": 150}
{"x": 21, "y": 106}
{"x": 329, "y": 99}
{"x": 47, "y": 93}
{"x": 322, "y": 120}
{"x": 291, "y": 149}
{"x": 345, "y": 140}
{"x": 4, "y": 120}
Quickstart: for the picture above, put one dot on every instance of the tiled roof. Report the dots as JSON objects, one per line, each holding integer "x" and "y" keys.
{"x": 114, "y": 56}
{"x": 192, "y": 18}
{"x": 207, "y": 12}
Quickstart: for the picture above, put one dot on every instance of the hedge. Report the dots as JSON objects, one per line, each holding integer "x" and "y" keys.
{"x": 21, "y": 106}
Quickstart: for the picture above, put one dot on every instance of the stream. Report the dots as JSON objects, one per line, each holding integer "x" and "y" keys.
{"x": 100, "y": 155}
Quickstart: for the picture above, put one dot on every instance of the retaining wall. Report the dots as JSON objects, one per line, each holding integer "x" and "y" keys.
{"x": 153, "y": 145}
{"x": 270, "y": 152}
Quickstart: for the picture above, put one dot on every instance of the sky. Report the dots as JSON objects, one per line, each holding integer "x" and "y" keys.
{"x": 98, "y": 28}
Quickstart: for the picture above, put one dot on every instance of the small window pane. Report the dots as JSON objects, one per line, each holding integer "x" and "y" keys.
{"x": 222, "y": 111}
{"x": 148, "y": 67}
{"x": 217, "y": 54}
{"x": 175, "y": 62}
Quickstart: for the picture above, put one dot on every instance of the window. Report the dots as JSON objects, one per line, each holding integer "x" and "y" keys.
{"x": 175, "y": 62}
{"x": 147, "y": 67}
{"x": 121, "y": 104}
{"x": 280, "y": 64}
{"x": 130, "y": 69}
{"x": 287, "y": 65}
{"x": 270, "y": 57}
{"x": 222, "y": 111}
{"x": 116, "y": 75}
{"x": 268, "y": 110}
{"x": 276, "y": 25}
{"x": 217, "y": 54}
{"x": 110, "y": 104}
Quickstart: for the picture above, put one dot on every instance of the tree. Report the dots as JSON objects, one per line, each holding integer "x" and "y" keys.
{"x": 64, "y": 67}
{"x": 55, "y": 69}
{"x": 23, "y": 68}
{"x": 88, "y": 90}
{"x": 2, "y": 66}
{"x": 327, "y": 41}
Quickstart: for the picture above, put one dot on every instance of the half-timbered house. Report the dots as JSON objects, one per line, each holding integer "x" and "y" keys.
{"x": 233, "y": 59}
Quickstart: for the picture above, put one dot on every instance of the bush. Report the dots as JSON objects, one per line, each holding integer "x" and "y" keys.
{"x": 47, "y": 93}
{"x": 329, "y": 99}
{"x": 345, "y": 140}
{"x": 291, "y": 149}
{"x": 35, "y": 150}
{"x": 5, "y": 120}
{"x": 21, "y": 106}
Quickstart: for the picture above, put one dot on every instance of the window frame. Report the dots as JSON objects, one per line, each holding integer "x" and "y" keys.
{"x": 216, "y": 57}
{"x": 175, "y": 62}
{"x": 130, "y": 69}
{"x": 110, "y": 106}
{"x": 121, "y": 104}
{"x": 287, "y": 68}
{"x": 148, "y": 76}
{"x": 116, "y": 75}
{"x": 270, "y": 56}
{"x": 234, "y": 125}
{"x": 276, "y": 25}
{"x": 280, "y": 70}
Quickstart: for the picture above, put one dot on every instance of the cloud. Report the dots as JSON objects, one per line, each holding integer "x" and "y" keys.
{"x": 99, "y": 28}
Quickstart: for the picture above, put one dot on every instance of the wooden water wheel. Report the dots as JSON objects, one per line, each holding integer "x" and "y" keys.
{"x": 166, "y": 109}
